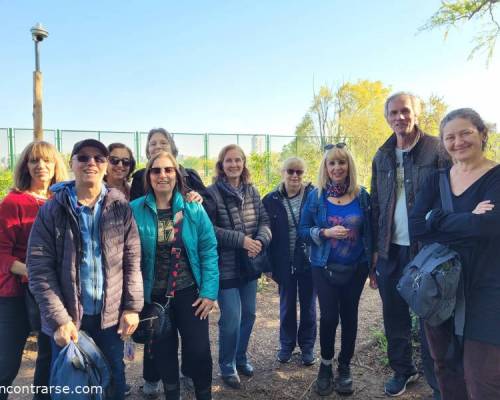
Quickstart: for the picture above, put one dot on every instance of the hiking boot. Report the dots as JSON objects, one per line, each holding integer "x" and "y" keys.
{"x": 324, "y": 382}
{"x": 204, "y": 394}
{"x": 343, "y": 383}
{"x": 233, "y": 381}
{"x": 396, "y": 386}
{"x": 151, "y": 390}
{"x": 245, "y": 369}
{"x": 172, "y": 391}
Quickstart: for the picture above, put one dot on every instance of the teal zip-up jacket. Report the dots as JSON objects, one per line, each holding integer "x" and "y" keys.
{"x": 198, "y": 237}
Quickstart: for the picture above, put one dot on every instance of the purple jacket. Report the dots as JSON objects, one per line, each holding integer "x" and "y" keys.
{"x": 54, "y": 251}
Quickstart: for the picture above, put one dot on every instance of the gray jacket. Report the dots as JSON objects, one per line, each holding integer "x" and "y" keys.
{"x": 250, "y": 218}
{"x": 54, "y": 251}
{"x": 423, "y": 159}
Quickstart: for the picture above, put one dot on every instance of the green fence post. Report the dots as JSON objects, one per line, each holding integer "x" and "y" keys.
{"x": 268, "y": 157}
{"x": 58, "y": 140}
{"x": 10, "y": 140}
{"x": 137, "y": 146}
{"x": 99, "y": 135}
{"x": 205, "y": 139}
{"x": 237, "y": 139}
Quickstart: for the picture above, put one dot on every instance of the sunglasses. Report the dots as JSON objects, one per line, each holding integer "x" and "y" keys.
{"x": 291, "y": 171}
{"x": 115, "y": 161}
{"x": 157, "y": 170}
{"x": 340, "y": 145}
{"x": 83, "y": 158}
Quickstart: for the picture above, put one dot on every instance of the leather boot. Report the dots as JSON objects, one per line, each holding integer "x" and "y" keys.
{"x": 203, "y": 394}
{"x": 172, "y": 391}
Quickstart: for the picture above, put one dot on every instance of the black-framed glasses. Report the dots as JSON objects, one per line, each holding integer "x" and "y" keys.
{"x": 157, "y": 170}
{"x": 330, "y": 146}
{"x": 291, "y": 171}
{"x": 83, "y": 158}
{"x": 116, "y": 160}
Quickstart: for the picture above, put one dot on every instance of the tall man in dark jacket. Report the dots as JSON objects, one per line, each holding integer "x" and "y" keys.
{"x": 400, "y": 167}
{"x": 84, "y": 261}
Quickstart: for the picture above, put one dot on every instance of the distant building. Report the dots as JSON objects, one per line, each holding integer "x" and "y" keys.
{"x": 257, "y": 144}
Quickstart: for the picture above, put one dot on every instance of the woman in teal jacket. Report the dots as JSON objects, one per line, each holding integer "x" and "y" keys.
{"x": 179, "y": 267}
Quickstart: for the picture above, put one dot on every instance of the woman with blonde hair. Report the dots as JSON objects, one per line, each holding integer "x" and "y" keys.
{"x": 242, "y": 229}
{"x": 39, "y": 166}
{"x": 336, "y": 223}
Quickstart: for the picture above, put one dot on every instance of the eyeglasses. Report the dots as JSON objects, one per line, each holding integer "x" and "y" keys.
{"x": 291, "y": 171}
{"x": 157, "y": 170}
{"x": 340, "y": 145}
{"x": 115, "y": 161}
{"x": 83, "y": 158}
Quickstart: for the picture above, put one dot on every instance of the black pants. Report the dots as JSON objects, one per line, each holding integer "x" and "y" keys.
{"x": 14, "y": 331}
{"x": 196, "y": 355}
{"x": 397, "y": 320}
{"x": 335, "y": 301}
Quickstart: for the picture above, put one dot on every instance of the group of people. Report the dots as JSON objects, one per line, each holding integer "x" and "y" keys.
{"x": 92, "y": 251}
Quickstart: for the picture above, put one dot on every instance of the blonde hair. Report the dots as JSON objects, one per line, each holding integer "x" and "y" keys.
{"x": 336, "y": 153}
{"x": 38, "y": 150}
{"x": 293, "y": 161}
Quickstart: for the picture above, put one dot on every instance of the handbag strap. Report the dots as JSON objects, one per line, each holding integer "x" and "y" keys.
{"x": 445, "y": 191}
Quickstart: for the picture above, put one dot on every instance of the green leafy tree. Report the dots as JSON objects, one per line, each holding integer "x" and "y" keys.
{"x": 433, "y": 111}
{"x": 454, "y": 13}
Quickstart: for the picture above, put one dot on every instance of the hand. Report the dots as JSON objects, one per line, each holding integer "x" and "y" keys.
{"x": 65, "y": 333}
{"x": 337, "y": 232}
{"x": 128, "y": 323}
{"x": 253, "y": 246}
{"x": 204, "y": 307}
{"x": 373, "y": 279}
{"x": 193, "y": 196}
{"x": 483, "y": 206}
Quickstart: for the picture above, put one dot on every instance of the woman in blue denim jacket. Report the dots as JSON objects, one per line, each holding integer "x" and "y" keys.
{"x": 336, "y": 223}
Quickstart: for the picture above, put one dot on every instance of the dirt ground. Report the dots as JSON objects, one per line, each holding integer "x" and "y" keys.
{"x": 273, "y": 380}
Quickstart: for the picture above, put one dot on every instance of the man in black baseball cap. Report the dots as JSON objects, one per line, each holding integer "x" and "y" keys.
{"x": 89, "y": 143}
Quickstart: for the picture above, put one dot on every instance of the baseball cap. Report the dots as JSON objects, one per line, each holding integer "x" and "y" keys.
{"x": 90, "y": 143}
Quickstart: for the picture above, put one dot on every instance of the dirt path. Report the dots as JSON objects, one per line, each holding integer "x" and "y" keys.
{"x": 273, "y": 380}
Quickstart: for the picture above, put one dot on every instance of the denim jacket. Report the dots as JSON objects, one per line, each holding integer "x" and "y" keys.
{"x": 314, "y": 218}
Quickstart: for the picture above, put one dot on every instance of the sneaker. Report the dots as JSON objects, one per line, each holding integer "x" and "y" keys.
{"x": 128, "y": 389}
{"x": 245, "y": 369}
{"x": 151, "y": 389}
{"x": 308, "y": 358}
{"x": 233, "y": 381}
{"x": 396, "y": 386}
{"x": 343, "y": 383}
{"x": 284, "y": 356}
{"x": 324, "y": 382}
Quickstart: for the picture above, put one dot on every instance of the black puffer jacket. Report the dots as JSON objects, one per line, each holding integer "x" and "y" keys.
{"x": 250, "y": 219}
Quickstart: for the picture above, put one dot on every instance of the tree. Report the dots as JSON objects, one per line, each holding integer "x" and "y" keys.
{"x": 322, "y": 107}
{"x": 454, "y": 13}
{"x": 433, "y": 111}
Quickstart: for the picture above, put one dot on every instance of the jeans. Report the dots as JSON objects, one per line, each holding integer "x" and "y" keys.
{"x": 196, "y": 355}
{"x": 397, "y": 319}
{"x": 306, "y": 334}
{"x": 14, "y": 330}
{"x": 111, "y": 345}
{"x": 237, "y": 316}
{"x": 334, "y": 302}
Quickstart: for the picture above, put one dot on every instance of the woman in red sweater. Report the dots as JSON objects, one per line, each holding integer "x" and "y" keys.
{"x": 39, "y": 166}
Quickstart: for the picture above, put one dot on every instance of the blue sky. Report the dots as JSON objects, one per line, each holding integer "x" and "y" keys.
{"x": 225, "y": 66}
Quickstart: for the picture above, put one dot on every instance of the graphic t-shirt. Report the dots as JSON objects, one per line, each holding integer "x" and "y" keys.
{"x": 350, "y": 250}
{"x": 183, "y": 277}
{"x": 400, "y": 233}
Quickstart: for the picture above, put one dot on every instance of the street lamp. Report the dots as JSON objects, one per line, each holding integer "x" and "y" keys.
{"x": 38, "y": 33}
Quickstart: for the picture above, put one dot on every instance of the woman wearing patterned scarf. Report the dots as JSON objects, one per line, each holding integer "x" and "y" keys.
{"x": 180, "y": 272}
{"x": 336, "y": 223}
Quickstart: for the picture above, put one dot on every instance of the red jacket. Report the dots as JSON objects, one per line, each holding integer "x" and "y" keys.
{"x": 18, "y": 211}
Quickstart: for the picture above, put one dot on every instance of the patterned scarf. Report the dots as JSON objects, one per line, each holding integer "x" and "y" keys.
{"x": 337, "y": 189}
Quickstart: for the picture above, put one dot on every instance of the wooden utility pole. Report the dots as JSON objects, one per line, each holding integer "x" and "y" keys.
{"x": 37, "y": 106}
